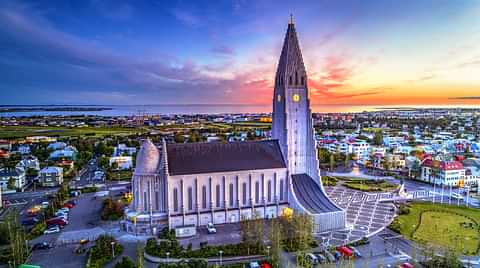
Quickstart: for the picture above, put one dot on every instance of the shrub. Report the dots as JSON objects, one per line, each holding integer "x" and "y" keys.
{"x": 112, "y": 210}
{"x": 89, "y": 190}
{"x": 126, "y": 262}
{"x": 101, "y": 253}
{"x": 37, "y": 230}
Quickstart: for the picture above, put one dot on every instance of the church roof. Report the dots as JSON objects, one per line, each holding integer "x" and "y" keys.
{"x": 199, "y": 158}
{"x": 148, "y": 158}
{"x": 291, "y": 61}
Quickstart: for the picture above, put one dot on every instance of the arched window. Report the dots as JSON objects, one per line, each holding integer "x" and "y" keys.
{"x": 204, "y": 196}
{"x": 290, "y": 80}
{"x": 218, "y": 195}
{"x": 303, "y": 80}
{"x": 230, "y": 194}
{"x": 296, "y": 78}
{"x": 244, "y": 193}
{"x": 281, "y": 190}
{"x": 257, "y": 192}
{"x": 190, "y": 198}
{"x": 269, "y": 191}
{"x": 175, "y": 199}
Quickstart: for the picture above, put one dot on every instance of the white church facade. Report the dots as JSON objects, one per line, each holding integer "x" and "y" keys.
{"x": 193, "y": 184}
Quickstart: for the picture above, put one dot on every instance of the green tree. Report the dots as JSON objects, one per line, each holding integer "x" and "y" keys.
{"x": 275, "y": 237}
{"x": 332, "y": 162}
{"x": 126, "y": 262}
{"x": 378, "y": 138}
{"x": 11, "y": 183}
{"x": 140, "y": 256}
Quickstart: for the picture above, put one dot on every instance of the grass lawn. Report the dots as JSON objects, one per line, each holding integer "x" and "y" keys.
{"x": 370, "y": 185}
{"x": 442, "y": 225}
{"x": 13, "y": 132}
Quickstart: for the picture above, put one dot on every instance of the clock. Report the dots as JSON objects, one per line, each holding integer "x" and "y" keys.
{"x": 296, "y": 98}
{"x": 279, "y": 97}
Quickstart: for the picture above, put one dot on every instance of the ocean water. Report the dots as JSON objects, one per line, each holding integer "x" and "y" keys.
{"x": 129, "y": 110}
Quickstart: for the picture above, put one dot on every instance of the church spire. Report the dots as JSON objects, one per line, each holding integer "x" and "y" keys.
{"x": 291, "y": 70}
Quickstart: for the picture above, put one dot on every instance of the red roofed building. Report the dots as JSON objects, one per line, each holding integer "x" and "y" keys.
{"x": 443, "y": 172}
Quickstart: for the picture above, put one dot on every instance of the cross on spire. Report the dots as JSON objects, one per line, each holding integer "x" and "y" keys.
{"x": 291, "y": 19}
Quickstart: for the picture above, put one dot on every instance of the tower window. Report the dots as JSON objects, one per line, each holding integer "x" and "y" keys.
{"x": 204, "y": 197}
{"x": 218, "y": 195}
{"x": 231, "y": 194}
{"x": 296, "y": 78}
{"x": 290, "y": 80}
{"x": 303, "y": 80}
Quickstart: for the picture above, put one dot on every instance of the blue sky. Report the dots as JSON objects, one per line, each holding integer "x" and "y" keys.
{"x": 148, "y": 52}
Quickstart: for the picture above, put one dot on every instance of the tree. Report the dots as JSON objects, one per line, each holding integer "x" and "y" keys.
{"x": 11, "y": 183}
{"x": 275, "y": 237}
{"x": 332, "y": 162}
{"x": 140, "y": 257}
{"x": 17, "y": 239}
{"x": 31, "y": 173}
{"x": 378, "y": 138}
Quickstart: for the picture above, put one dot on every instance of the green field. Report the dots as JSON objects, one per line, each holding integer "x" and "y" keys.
{"x": 447, "y": 226}
{"x": 12, "y": 132}
{"x": 370, "y": 185}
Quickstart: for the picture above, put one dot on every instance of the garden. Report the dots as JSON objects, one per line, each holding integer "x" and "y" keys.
{"x": 450, "y": 227}
{"x": 370, "y": 185}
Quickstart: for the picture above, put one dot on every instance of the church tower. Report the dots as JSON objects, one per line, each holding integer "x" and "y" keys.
{"x": 292, "y": 118}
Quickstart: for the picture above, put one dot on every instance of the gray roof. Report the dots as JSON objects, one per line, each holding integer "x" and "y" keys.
{"x": 148, "y": 158}
{"x": 311, "y": 196}
{"x": 199, "y": 158}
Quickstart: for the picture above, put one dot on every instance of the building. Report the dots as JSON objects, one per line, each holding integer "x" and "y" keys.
{"x": 184, "y": 184}
{"x": 29, "y": 162}
{"x": 36, "y": 139}
{"x": 122, "y": 162}
{"x": 12, "y": 178}
{"x": 50, "y": 176}
{"x": 68, "y": 153}
{"x": 122, "y": 149}
{"x": 443, "y": 172}
{"x": 24, "y": 149}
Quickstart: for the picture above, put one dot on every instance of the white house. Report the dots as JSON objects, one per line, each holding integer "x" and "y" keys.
{"x": 123, "y": 162}
{"x": 443, "y": 172}
{"x": 122, "y": 149}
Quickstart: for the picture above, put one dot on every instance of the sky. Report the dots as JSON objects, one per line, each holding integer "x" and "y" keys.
{"x": 378, "y": 52}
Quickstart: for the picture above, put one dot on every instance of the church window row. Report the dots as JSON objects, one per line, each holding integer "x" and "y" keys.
{"x": 231, "y": 195}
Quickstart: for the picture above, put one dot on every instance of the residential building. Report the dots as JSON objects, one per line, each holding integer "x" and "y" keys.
{"x": 122, "y": 162}
{"x": 50, "y": 176}
{"x": 29, "y": 162}
{"x": 122, "y": 149}
{"x": 443, "y": 172}
{"x": 16, "y": 175}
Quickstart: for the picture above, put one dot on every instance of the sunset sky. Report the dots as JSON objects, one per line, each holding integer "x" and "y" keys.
{"x": 358, "y": 52}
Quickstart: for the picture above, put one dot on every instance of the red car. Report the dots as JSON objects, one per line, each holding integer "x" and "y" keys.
{"x": 345, "y": 251}
{"x": 68, "y": 205}
{"x": 57, "y": 221}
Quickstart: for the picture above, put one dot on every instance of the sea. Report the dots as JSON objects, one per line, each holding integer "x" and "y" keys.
{"x": 167, "y": 109}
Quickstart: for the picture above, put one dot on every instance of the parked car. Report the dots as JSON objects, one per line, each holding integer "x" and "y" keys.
{"x": 68, "y": 205}
{"x": 211, "y": 228}
{"x": 57, "y": 221}
{"x": 45, "y": 204}
{"x": 43, "y": 245}
{"x": 329, "y": 256}
{"x": 61, "y": 216}
{"x": 345, "y": 251}
{"x": 55, "y": 225}
{"x": 52, "y": 230}
{"x": 254, "y": 264}
{"x": 405, "y": 265}
{"x": 73, "y": 202}
{"x": 66, "y": 210}
{"x": 321, "y": 258}
{"x": 337, "y": 255}
{"x": 312, "y": 258}
{"x": 356, "y": 253}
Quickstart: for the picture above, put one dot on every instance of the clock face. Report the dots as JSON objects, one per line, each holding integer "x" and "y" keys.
{"x": 296, "y": 97}
{"x": 279, "y": 97}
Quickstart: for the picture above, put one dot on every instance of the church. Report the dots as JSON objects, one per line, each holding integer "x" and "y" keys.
{"x": 193, "y": 184}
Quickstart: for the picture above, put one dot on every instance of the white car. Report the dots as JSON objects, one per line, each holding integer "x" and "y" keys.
{"x": 60, "y": 215}
{"x": 52, "y": 230}
{"x": 66, "y": 210}
{"x": 211, "y": 228}
{"x": 45, "y": 204}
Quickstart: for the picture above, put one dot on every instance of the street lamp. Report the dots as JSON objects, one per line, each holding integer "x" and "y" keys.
{"x": 168, "y": 254}
{"x": 268, "y": 251}
{"x": 113, "y": 249}
{"x": 221, "y": 251}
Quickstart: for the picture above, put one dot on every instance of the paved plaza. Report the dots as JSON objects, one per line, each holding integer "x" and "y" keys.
{"x": 366, "y": 215}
